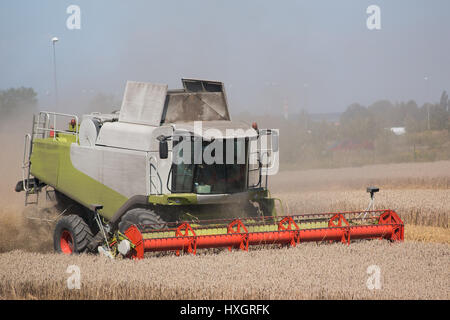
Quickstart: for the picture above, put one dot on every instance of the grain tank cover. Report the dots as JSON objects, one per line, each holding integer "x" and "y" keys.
{"x": 143, "y": 103}
{"x": 199, "y": 100}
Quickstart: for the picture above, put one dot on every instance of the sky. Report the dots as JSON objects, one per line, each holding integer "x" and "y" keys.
{"x": 314, "y": 55}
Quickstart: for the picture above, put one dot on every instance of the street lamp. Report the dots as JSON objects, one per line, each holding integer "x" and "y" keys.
{"x": 54, "y": 41}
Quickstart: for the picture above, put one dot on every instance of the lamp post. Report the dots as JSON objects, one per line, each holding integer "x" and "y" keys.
{"x": 54, "y": 41}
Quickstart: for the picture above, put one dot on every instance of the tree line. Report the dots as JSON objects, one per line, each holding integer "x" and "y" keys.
{"x": 367, "y": 122}
{"x": 17, "y": 102}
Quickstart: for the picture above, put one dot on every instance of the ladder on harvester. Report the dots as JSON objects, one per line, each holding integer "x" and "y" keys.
{"x": 29, "y": 185}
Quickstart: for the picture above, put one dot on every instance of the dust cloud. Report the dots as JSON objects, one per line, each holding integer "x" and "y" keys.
{"x": 17, "y": 231}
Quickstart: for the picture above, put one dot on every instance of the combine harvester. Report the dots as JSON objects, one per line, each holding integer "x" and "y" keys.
{"x": 123, "y": 190}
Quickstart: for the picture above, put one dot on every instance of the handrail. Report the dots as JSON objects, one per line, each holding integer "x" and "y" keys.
{"x": 26, "y": 163}
{"x": 47, "y": 121}
{"x": 156, "y": 176}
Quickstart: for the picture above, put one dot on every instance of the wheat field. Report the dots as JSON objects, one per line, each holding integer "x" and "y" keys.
{"x": 428, "y": 207}
{"x": 425, "y": 175}
{"x": 310, "y": 271}
{"x": 418, "y": 192}
{"x": 415, "y": 269}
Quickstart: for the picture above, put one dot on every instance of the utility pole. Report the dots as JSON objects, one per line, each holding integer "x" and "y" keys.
{"x": 54, "y": 40}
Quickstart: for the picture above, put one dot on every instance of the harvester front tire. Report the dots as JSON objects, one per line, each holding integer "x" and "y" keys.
{"x": 140, "y": 216}
{"x": 71, "y": 235}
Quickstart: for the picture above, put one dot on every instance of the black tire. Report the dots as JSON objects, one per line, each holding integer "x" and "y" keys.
{"x": 71, "y": 232}
{"x": 71, "y": 207}
{"x": 141, "y": 216}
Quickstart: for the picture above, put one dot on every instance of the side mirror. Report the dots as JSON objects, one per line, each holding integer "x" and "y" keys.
{"x": 163, "y": 149}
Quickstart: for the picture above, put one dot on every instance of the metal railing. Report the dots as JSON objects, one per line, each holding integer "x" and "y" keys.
{"x": 49, "y": 118}
{"x": 153, "y": 186}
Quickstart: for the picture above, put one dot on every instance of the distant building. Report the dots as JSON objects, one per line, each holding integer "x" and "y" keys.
{"x": 398, "y": 130}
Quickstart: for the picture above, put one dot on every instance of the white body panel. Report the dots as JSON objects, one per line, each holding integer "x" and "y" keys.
{"x": 121, "y": 170}
{"x": 143, "y": 103}
{"x": 128, "y": 136}
{"x": 224, "y": 128}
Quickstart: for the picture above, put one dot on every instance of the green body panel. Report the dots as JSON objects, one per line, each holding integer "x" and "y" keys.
{"x": 50, "y": 163}
{"x": 173, "y": 199}
{"x": 45, "y": 160}
{"x": 191, "y": 198}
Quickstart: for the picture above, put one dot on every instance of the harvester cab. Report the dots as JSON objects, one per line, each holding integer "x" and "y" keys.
{"x": 170, "y": 171}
